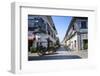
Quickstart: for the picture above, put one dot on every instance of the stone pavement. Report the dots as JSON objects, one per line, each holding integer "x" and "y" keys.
{"x": 32, "y": 54}
{"x": 61, "y": 53}
{"x": 81, "y": 53}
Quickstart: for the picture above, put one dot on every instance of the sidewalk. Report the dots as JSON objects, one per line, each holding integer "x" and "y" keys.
{"x": 32, "y": 54}
{"x": 81, "y": 53}
{"x": 64, "y": 52}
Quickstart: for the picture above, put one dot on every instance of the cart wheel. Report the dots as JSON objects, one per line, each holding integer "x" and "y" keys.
{"x": 40, "y": 53}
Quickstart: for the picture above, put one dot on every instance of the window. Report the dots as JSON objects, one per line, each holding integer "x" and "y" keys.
{"x": 35, "y": 23}
{"x": 30, "y": 23}
{"x": 83, "y": 25}
{"x": 85, "y": 44}
{"x": 73, "y": 27}
{"x": 75, "y": 43}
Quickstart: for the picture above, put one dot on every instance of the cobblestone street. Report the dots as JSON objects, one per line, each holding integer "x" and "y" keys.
{"x": 81, "y": 53}
{"x": 61, "y": 53}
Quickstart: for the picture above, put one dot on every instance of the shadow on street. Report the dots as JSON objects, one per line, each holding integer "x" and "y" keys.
{"x": 30, "y": 58}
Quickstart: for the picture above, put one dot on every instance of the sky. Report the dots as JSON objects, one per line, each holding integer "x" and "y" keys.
{"x": 61, "y": 24}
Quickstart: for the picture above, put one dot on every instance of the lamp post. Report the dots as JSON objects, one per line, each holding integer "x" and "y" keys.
{"x": 48, "y": 43}
{"x": 38, "y": 40}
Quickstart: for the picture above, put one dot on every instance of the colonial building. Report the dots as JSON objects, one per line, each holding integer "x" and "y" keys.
{"x": 76, "y": 37}
{"x": 41, "y": 31}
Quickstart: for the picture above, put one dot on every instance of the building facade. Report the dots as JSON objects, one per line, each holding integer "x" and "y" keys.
{"x": 41, "y": 31}
{"x": 76, "y": 37}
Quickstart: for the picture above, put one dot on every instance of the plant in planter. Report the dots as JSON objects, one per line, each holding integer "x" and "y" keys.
{"x": 33, "y": 49}
{"x": 52, "y": 49}
{"x": 86, "y": 46}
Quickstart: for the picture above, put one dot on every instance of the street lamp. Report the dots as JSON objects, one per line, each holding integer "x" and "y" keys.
{"x": 37, "y": 37}
{"x": 37, "y": 40}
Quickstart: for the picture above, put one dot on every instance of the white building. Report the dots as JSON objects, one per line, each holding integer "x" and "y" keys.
{"x": 41, "y": 31}
{"x": 76, "y": 37}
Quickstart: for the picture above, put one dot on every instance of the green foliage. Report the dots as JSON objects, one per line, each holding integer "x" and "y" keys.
{"x": 86, "y": 46}
{"x": 33, "y": 49}
{"x": 57, "y": 43}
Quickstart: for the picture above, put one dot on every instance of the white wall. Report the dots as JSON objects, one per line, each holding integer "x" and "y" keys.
{"x": 5, "y": 36}
{"x": 72, "y": 40}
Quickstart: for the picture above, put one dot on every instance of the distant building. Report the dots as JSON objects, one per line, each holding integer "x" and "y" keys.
{"x": 41, "y": 31}
{"x": 76, "y": 37}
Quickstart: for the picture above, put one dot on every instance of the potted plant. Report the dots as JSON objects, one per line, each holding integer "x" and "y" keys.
{"x": 33, "y": 49}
